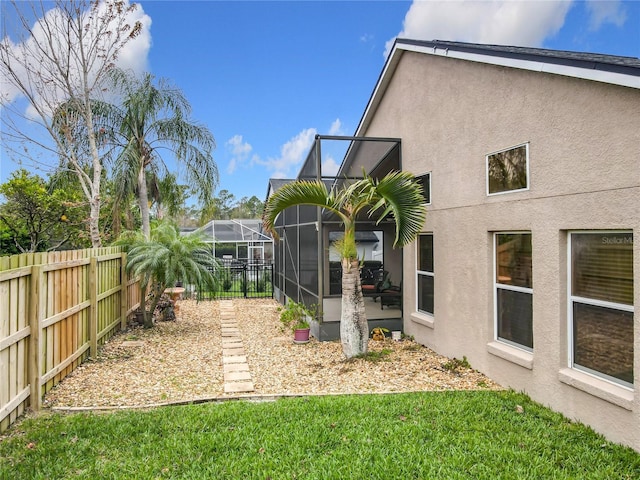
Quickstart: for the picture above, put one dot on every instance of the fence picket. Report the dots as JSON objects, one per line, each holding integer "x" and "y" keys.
{"x": 54, "y": 309}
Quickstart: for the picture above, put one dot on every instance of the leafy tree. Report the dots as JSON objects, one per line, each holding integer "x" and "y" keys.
{"x": 167, "y": 257}
{"x": 248, "y": 208}
{"x": 397, "y": 195}
{"x": 168, "y": 197}
{"x": 224, "y": 204}
{"x": 40, "y": 219}
{"x": 64, "y": 58}
{"x": 152, "y": 119}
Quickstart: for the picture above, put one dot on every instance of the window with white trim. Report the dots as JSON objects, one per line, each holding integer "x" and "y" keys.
{"x": 424, "y": 271}
{"x": 601, "y": 304}
{"x": 513, "y": 289}
{"x": 425, "y": 185}
{"x": 508, "y": 170}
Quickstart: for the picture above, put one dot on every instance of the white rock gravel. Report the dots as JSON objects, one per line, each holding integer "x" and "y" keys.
{"x": 182, "y": 361}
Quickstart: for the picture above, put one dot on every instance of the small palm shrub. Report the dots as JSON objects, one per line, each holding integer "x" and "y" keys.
{"x": 168, "y": 257}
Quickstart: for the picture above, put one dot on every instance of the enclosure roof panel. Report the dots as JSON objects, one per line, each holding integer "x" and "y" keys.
{"x": 235, "y": 230}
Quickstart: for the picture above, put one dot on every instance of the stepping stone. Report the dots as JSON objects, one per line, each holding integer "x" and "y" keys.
{"x": 231, "y": 342}
{"x": 133, "y": 343}
{"x": 234, "y": 359}
{"x": 235, "y": 376}
{"x": 229, "y": 352}
{"x": 230, "y": 332}
{"x": 238, "y": 387}
{"x": 235, "y": 367}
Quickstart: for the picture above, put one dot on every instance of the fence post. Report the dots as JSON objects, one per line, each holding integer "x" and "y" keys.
{"x": 93, "y": 308}
{"x": 124, "y": 293}
{"x": 245, "y": 280}
{"x": 34, "y": 365}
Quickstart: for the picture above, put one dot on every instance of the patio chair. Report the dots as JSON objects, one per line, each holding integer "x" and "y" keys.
{"x": 391, "y": 295}
{"x": 380, "y": 279}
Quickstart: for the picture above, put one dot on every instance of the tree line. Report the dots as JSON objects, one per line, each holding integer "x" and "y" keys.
{"x": 38, "y": 214}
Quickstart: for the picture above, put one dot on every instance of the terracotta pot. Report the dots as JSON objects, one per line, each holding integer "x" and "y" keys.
{"x": 176, "y": 294}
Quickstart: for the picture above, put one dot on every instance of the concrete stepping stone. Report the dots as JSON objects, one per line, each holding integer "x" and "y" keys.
{"x": 236, "y": 376}
{"x": 234, "y": 359}
{"x": 235, "y": 367}
{"x": 230, "y": 332}
{"x": 238, "y": 387}
{"x": 229, "y": 352}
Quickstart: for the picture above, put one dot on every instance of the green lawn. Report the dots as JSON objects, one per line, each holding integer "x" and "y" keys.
{"x": 429, "y": 435}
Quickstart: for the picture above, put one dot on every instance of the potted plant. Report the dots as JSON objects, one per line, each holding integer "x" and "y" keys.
{"x": 295, "y": 316}
{"x": 378, "y": 333}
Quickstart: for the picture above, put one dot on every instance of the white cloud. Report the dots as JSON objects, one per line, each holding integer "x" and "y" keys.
{"x": 133, "y": 55}
{"x": 329, "y": 166}
{"x": 610, "y": 11}
{"x": 336, "y": 127}
{"x": 240, "y": 152}
{"x": 366, "y": 38}
{"x": 523, "y": 23}
{"x": 292, "y": 154}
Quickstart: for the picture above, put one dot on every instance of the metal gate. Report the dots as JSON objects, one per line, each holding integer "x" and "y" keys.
{"x": 242, "y": 280}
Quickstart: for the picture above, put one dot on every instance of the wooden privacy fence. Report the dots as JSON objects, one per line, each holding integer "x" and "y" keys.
{"x": 55, "y": 309}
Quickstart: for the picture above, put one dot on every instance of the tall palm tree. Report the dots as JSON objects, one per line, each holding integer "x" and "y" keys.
{"x": 151, "y": 119}
{"x": 167, "y": 257}
{"x": 397, "y": 195}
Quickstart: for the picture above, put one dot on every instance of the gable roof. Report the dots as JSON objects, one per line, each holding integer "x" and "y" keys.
{"x": 617, "y": 70}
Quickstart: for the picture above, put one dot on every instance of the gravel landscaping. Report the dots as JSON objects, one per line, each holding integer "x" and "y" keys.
{"x": 181, "y": 361}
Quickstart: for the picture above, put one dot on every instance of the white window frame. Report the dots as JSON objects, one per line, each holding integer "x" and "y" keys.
{"x": 430, "y": 193}
{"x": 425, "y": 273}
{"x": 502, "y": 286}
{"x": 486, "y": 165}
{"x": 594, "y": 302}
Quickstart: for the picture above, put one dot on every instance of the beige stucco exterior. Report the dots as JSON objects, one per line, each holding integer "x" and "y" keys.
{"x": 584, "y": 174}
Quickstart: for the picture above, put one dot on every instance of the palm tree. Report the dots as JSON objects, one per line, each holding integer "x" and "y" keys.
{"x": 396, "y": 195}
{"x": 167, "y": 257}
{"x": 154, "y": 118}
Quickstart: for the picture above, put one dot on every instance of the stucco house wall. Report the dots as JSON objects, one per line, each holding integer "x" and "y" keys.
{"x": 584, "y": 174}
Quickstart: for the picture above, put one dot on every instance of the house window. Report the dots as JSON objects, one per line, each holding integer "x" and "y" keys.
{"x": 508, "y": 170}
{"x": 425, "y": 185}
{"x": 425, "y": 274}
{"x": 513, "y": 289}
{"x": 601, "y": 304}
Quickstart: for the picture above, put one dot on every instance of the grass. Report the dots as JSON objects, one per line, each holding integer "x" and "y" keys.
{"x": 375, "y": 355}
{"x": 450, "y": 435}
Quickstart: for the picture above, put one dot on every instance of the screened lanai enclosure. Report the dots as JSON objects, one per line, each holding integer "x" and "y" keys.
{"x": 308, "y": 269}
{"x": 239, "y": 240}
{"x": 245, "y": 253}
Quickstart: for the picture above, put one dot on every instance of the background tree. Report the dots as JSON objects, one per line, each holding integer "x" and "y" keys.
{"x": 39, "y": 218}
{"x": 247, "y": 208}
{"x": 224, "y": 203}
{"x": 150, "y": 120}
{"x": 66, "y": 56}
{"x": 397, "y": 195}
{"x": 168, "y": 198}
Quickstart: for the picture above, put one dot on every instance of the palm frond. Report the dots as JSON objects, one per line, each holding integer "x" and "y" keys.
{"x": 299, "y": 192}
{"x": 399, "y": 194}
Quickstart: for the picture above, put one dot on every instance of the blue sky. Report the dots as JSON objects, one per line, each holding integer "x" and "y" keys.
{"x": 266, "y": 76}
